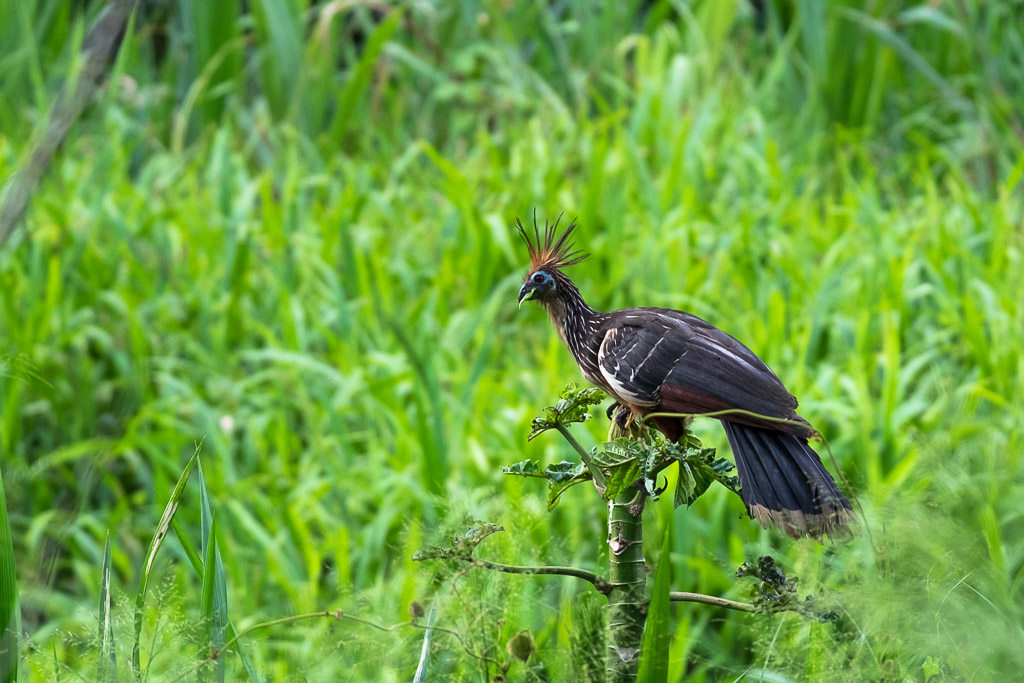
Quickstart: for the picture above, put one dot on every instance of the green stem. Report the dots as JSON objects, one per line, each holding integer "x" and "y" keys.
{"x": 683, "y": 596}
{"x": 627, "y": 600}
{"x": 595, "y": 471}
{"x": 599, "y": 583}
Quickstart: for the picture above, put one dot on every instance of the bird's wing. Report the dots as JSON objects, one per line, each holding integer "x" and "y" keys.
{"x": 676, "y": 362}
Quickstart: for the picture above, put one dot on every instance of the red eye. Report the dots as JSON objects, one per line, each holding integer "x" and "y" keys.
{"x": 538, "y": 278}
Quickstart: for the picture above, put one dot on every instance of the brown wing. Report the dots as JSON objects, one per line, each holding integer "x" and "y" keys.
{"x": 675, "y": 362}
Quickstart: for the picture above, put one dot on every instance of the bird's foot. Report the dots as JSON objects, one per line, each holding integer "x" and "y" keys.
{"x": 624, "y": 418}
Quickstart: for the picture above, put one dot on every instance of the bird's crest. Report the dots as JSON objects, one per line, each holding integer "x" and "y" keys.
{"x": 555, "y": 251}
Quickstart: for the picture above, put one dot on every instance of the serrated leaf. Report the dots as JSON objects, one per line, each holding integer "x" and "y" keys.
{"x": 694, "y": 479}
{"x": 525, "y": 468}
{"x": 617, "y": 452}
{"x": 620, "y": 478}
{"x": 563, "y": 478}
{"x": 622, "y": 462}
{"x": 686, "y": 485}
{"x": 571, "y": 407}
{"x": 565, "y": 471}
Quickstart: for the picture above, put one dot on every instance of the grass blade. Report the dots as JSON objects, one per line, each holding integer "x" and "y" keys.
{"x": 108, "y": 658}
{"x": 421, "y": 668}
{"x": 359, "y": 80}
{"x": 208, "y": 608}
{"x": 215, "y": 596}
{"x": 657, "y": 630}
{"x": 158, "y": 538}
{"x": 10, "y": 612}
{"x": 197, "y": 565}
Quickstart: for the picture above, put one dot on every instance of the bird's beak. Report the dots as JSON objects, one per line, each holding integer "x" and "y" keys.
{"x": 526, "y": 293}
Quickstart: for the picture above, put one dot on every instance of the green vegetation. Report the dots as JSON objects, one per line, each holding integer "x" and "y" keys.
{"x": 281, "y": 231}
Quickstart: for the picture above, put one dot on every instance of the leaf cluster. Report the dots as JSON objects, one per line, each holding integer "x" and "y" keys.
{"x": 776, "y": 592}
{"x": 461, "y": 547}
{"x": 624, "y": 462}
{"x": 572, "y": 406}
{"x": 628, "y": 461}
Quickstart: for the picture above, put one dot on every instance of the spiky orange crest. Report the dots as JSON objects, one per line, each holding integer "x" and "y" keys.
{"x": 555, "y": 251}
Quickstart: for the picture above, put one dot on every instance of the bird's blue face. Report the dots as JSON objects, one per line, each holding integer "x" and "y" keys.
{"x": 538, "y": 285}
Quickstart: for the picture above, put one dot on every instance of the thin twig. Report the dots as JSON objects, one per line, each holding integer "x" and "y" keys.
{"x": 595, "y": 471}
{"x": 682, "y": 596}
{"x": 598, "y": 582}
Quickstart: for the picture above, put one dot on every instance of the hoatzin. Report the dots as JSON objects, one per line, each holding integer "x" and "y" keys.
{"x": 658, "y": 360}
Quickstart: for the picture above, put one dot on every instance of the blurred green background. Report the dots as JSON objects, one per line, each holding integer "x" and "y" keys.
{"x": 282, "y": 228}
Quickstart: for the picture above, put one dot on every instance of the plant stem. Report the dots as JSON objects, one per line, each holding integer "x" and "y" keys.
{"x": 595, "y": 471}
{"x": 599, "y": 583}
{"x": 683, "y": 596}
{"x": 627, "y": 601}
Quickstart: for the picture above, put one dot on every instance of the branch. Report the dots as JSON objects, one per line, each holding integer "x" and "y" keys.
{"x": 682, "y": 596}
{"x": 598, "y": 582}
{"x": 99, "y": 50}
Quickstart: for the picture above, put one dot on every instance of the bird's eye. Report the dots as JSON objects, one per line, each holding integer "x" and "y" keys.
{"x": 538, "y": 278}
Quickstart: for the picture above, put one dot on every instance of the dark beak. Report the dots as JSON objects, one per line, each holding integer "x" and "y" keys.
{"x": 526, "y": 293}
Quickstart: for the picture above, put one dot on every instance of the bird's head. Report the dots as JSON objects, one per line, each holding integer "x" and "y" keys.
{"x": 539, "y": 285}
{"x": 547, "y": 258}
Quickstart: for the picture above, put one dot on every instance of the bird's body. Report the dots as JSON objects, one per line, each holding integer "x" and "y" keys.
{"x": 660, "y": 360}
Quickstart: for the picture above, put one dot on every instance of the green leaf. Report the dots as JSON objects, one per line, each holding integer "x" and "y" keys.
{"x": 622, "y": 461}
{"x": 154, "y": 546}
{"x": 526, "y": 468}
{"x": 359, "y": 78}
{"x": 107, "y": 670}
{"x": 694, "y": 479}
{"x": 214, "y": 605}
{"x": 197, "y": 567}
{"x": 10, "y": 610}
{"x": 571, "y": 407}
{"x": 698, "y": 467}
{"x": 562, "y": 477}
{"x": 208, "y": 604}
{"x": 565, "y": 471}
{"x": 657, "y": 630}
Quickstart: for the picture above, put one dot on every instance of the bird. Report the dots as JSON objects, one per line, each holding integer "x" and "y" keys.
{"x": 653, "y": 361}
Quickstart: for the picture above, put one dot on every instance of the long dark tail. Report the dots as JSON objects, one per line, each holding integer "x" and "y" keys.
{"x": 783, "y": 482}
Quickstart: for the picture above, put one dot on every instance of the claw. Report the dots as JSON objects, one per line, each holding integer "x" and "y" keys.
{"x": 611, "y": 409}
{"x": 624, "y": 418}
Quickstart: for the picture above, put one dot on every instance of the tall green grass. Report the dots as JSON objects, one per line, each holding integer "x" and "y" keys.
{"x": 284, "y": 228}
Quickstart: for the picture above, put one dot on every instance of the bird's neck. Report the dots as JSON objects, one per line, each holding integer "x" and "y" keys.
{"x": 573, "y": 319}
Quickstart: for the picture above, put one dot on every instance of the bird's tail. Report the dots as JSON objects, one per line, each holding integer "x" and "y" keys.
{"x": 783, "y": 482}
